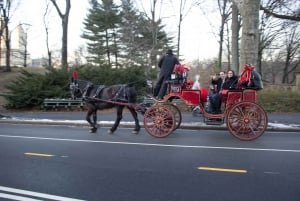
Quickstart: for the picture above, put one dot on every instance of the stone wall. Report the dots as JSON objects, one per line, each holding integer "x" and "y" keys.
{"x": 285, "y": 87}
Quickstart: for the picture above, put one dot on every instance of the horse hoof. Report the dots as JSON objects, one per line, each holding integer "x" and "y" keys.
{"x": 135, "y": 132}
{"x": 110, "y": 132}
{"x": 93, "y": 130}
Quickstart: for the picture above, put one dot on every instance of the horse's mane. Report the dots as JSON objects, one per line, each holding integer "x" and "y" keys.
{"x": 85, "y": 82}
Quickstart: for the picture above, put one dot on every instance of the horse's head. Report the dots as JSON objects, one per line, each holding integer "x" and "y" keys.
{"x": 77, "y": 88}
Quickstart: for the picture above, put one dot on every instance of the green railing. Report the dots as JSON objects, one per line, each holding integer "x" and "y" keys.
{"x": 57, "y": 103}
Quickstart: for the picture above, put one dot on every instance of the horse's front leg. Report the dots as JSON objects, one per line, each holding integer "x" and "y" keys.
{"x": 136, "y": 120}
{"x": 88, "y": 119}
{"x": 118, "y": 119}
{"x": 95, "y": 121}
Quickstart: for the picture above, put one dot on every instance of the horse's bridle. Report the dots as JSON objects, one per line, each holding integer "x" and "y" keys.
{"x": 74, "y": 86}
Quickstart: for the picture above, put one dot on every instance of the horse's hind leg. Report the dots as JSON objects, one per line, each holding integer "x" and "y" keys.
{"x": 118, "y": 119}
{"x": 136, "y": 120}
{"x": 94, "y": 129}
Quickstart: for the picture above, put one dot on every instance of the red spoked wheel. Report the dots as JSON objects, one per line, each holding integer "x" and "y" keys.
{"x": 159, "y": 121}
{"x": 247, "y": 121}
{"x": 176, "y": 112}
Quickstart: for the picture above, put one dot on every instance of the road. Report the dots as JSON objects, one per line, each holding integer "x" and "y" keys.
{"x": 59, "y": 162}
{"x": 284, "y": 118}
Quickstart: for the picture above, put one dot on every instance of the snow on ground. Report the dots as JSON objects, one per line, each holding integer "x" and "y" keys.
{"x": 83, "y": 122}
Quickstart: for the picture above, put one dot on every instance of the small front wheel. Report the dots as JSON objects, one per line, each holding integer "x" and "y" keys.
{"x": 175, "y": 110}
{"x": 159, "y": 121}
{"x": 247, "y": 121}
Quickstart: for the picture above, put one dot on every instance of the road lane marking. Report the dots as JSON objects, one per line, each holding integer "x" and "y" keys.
{"x": 33, "y": 194}
{"x": 271, "y": 172}
{"x": 38, "y": 154}
{"x": 158, "y": 145}
{"x": 222, "y": 170}
{"x": 16, "y": 197}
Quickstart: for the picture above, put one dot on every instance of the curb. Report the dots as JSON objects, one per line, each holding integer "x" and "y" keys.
{"x": 187, "y": 126}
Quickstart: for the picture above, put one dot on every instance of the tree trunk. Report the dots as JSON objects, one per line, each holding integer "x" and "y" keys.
{"x": 7, "y": 41}
{"x": 250, "y": 33}
{"x": 107, "y": 48}
{"x": 64, "y": 22}
{"x": 221, "y": 35}
{"x": 235, "y": 39}
{"x": 224, "y": 16}
{"x": 64, "y": 49}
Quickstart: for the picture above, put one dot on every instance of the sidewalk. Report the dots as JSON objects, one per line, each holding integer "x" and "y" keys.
{"x": 276, "y": 121}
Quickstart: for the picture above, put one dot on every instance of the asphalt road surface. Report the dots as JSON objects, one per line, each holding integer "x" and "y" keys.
{"x": 40, "y": 162}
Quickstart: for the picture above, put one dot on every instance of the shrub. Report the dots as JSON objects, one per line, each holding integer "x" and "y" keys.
{"x": 279, "y": 101}
{"x": 30, "y": 89}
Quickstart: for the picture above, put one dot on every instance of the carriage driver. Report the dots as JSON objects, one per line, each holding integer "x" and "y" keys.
{"x": 166, "y": 65}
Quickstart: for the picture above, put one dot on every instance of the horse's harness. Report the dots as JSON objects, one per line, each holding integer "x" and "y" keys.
{"x": 123, "y": 95}
{"x": 120, "y": 94}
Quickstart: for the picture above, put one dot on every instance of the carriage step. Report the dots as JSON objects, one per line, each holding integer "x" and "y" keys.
{"x": 213, "y": 121}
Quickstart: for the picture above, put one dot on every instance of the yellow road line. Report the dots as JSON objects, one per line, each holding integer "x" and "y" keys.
{"x": 38, "y": 154}
{"x": 222, "y": 169}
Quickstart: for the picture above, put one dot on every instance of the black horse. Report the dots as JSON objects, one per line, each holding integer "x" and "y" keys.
{"x": 99, "y": 97}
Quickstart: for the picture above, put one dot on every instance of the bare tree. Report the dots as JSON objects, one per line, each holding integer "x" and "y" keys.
{"x": 225, "y": 11}
{"x": 294, "y": 16}
{"x": 182, "y": 13}
{"x": 153, "y": 51}
{"x": 269, "y": 31}
{"x": 292, "y": 49}
{"x": 64, "y": 21}
{"x": 47, "y": 36}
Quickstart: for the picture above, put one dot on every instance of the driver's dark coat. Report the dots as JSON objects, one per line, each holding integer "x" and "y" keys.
{"x": 166, "y": 64}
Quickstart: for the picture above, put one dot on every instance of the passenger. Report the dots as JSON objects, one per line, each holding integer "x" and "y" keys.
{"x": 214, "y": 97}
{"x": 166, "y": 65}
{"x": 231, "y": 82}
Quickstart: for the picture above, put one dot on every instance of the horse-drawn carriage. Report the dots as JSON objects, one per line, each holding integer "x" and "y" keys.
{"x": 245, "y": 119}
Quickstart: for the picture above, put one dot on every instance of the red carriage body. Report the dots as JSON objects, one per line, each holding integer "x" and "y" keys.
{"x": 245, "y": 119}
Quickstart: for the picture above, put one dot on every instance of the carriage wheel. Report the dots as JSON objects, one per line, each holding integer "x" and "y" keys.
{"x": 159, "y": 121}
{"x": 247, "y": 121}
{"x": 176, "y": 112}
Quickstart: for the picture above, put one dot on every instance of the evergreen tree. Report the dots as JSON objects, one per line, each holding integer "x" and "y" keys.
{"x": 123, "y": 35}
{"x": 136, "y": 37}
{"x": 101, "y": 27}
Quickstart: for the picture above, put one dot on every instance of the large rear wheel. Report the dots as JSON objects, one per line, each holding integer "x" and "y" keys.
{"x": 159, "y": 121}
{"x": 247, "y": 121}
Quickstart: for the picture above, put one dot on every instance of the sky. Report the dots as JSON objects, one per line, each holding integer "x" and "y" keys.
{"x": 197, "y": 38}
